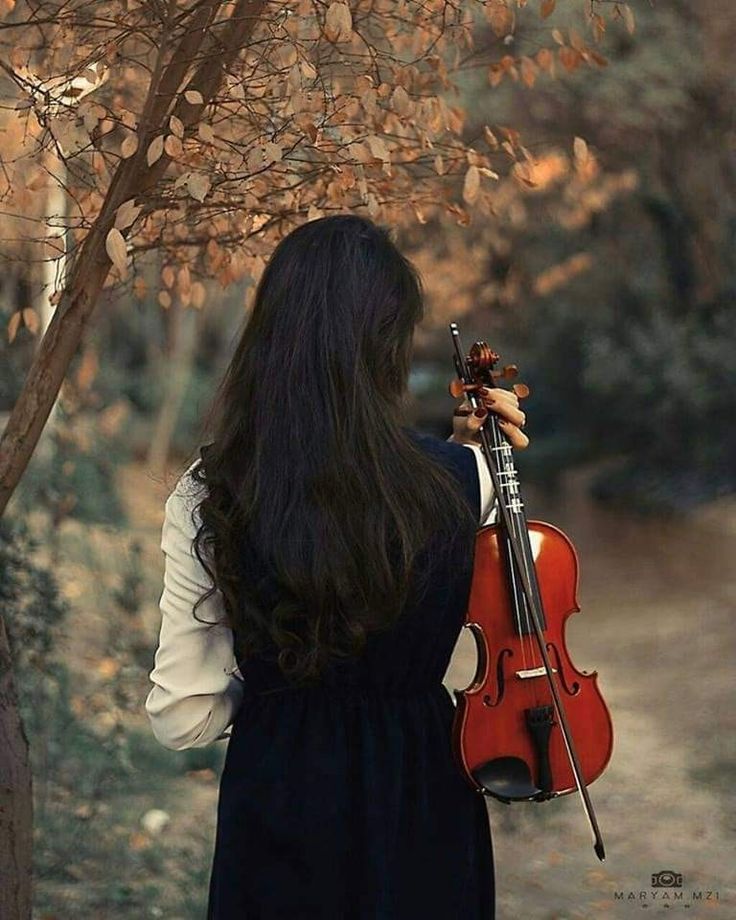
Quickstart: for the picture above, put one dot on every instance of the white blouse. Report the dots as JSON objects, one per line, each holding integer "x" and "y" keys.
{"x": 197, "y": 687}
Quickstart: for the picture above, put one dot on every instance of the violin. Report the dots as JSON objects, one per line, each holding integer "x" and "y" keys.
{"x": 530, "y": 726}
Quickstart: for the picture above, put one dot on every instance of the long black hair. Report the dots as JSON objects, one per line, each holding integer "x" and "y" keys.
{"x": 311, "y": 469}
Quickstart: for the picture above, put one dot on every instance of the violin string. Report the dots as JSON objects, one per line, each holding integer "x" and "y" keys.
{"x": 504, "y": 462}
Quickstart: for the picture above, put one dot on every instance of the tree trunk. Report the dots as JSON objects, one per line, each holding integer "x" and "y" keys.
{"x": 16, "y": 799}
{"x": 177, "y": 373}
{"x": 132, "y": 180}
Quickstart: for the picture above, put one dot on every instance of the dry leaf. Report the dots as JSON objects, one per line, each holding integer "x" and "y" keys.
{"x": 400, "y": 101}
{"x": 500, "y": 17}
{"x": 198, "y": 186}
{"x": 194, "y": 97}
{"x": 173, "y": 146}
{"x": 580, "y": 149}
{"x": 155, "y": 149}
{"x": 206, "y": 133}
{"x": 177, "y": 126}
{"x": 377, "y": 147}
{"x": 309, "y": 71}
{"x": 338, "y": 22}
{"x": 272, "y": 152}
{"x": 471, "y": 185}
{"x": 629, "y": 20}
{"x": 127, "y": 213}
{"x": 168, "y": 276}
{"x": 31, "y": 320}
{"x": 14, "y": 325}
{"x": 129, "y": 146}
{"x": 547, "y": 8}
{"x": 117, "y": 250}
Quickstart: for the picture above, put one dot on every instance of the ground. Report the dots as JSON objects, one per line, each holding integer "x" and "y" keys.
{"x": 657, "y": 598}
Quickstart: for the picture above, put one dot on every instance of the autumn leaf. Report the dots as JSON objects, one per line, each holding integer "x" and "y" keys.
{"x": 155, "y": 149}
{"x": 400, "y": 101}
{"x": 272, "y": 152}
{"x": 31, "y": 320}
{"x": 168, "y": 276}
{"x": 199, "y": 295}
{"x": 547, "y": 8}
{"x": 309, "y": 71}
{"x": 580, "y": 149}
{"x": 500, "y": 17}
{"x": 117, "y": 250}
{"x": 490, "y": 138}
{"x": 198, "y": 185}
{"x": 173, "y": 146}
{"x": 629, "y": 20}
{"x": 378, "y": 148}
{"x": 14, "y": 325}
{"x": 129, "y": 146}
{"x": 528, "y": 71}
{"x": 206, "y": 133}
{"x": 338, "y": 22}
{"x": 194, "y": 97}
{"x": 127, "y": 213}
{"x": 471, "y": 185}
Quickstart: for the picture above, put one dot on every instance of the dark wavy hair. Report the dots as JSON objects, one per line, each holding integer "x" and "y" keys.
{"x": 311, "y": 471}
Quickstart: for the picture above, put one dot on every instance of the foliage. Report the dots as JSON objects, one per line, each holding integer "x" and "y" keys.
{"x": 73, "y": 475}
{"x": 29, "y": 595}
{"x": 331, "y": 107}
{"x": 613, "y": 286}
{"x": 90, "y": 786}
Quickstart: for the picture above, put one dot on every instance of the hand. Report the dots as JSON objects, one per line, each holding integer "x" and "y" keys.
{"x": 505, "y": 403}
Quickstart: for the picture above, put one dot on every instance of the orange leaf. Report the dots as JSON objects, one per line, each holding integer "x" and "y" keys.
{"x": 548, "y": 7}
{"x": 155, "y": 149}
{"x": 117, "y": 250}
{"x": 471, "y": 185}
{"x": 14, "y": 325}
{"x": 31, "y": 320}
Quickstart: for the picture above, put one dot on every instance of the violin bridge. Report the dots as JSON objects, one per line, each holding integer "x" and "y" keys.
{"x": 533, "y": 672}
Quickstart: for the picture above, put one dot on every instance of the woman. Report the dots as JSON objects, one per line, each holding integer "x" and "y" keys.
{"x": 330, "y": 548}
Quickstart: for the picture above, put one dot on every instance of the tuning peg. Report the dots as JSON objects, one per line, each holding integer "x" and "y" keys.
{"x": 521, "y": 390}
{"x": 456, "y": 388}
{"x": 510, "y": 371}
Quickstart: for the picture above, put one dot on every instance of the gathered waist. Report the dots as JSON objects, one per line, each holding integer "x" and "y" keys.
{"x": 349, "y": 692}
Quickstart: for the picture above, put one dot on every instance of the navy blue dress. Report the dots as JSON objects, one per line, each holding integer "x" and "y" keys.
{"x": 343, "y": 801}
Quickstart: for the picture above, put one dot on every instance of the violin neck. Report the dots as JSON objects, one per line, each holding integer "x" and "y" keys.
{"x": 509, "y": 493}
{"x": 508, "y": 476}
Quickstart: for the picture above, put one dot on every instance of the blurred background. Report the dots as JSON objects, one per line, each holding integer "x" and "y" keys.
{"x": 610, "y": 282}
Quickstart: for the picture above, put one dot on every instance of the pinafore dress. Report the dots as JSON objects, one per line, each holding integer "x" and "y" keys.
{"x": 343, "y": 801}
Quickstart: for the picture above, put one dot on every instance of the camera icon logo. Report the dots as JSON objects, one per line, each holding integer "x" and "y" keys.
{"x": 666, "y": 878}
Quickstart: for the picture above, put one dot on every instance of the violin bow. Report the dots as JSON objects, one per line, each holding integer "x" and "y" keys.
{"x": 463, "y": 372}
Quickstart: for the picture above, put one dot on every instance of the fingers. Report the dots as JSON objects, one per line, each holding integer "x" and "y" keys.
{"x": 465, "y": 427}
{"x": 504, "y": 403}
{"x": 517, "y": 438}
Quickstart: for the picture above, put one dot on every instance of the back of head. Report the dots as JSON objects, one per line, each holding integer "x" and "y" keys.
{"x": 309, "y": 463}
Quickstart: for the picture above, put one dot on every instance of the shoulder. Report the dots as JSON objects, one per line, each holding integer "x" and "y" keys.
{"x": 182, "y": 504}
{"x": 460, "y": 457}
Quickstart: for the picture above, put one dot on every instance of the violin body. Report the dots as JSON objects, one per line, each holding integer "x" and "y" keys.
{"x": 506, "y": 737}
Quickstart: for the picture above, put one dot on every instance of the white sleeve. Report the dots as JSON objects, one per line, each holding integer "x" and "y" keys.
{"x": 195, "y": 694}
{"x": 488, "y": 506}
